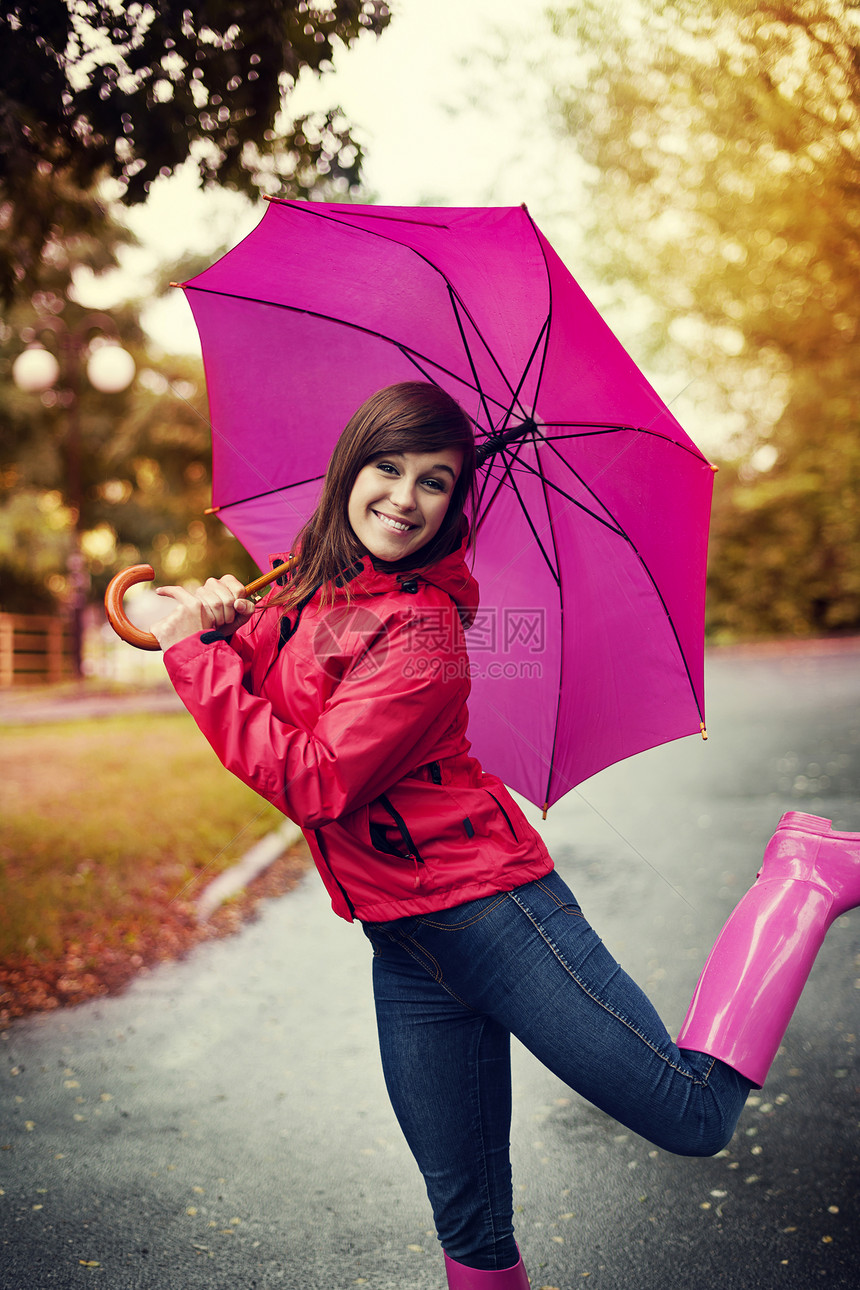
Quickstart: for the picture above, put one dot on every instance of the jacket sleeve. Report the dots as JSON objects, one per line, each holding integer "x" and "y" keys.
{"x": 386, "y": 715}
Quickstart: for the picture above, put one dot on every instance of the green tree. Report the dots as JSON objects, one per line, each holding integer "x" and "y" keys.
{"x": 724, "y": 139}
{"x": 142, "y": 457}
{"x": 93, "y": 91}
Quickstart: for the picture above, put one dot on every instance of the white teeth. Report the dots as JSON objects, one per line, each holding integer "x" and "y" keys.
{"x": 392, "y": 524}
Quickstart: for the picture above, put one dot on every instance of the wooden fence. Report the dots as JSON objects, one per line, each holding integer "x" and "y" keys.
{"x": 34, "y": 648}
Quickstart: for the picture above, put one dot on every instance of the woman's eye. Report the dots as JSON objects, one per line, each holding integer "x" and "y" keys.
{"x": 386, "y": 467}
{"x": 436, "y": 485}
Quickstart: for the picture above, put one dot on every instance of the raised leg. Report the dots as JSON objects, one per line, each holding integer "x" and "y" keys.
{"x": 754, "y": 975}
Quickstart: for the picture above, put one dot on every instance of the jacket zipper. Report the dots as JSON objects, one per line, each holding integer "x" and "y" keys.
{"x": 412, "y": 853}
{"x": 507, "y": 817}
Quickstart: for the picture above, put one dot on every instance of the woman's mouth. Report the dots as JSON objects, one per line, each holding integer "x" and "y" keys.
{"x": 395, "y": 526}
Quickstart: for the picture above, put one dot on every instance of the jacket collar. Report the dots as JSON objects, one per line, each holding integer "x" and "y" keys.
{"x": 450, "y": 575}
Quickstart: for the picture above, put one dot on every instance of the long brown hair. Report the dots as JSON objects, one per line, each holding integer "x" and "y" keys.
{"x": 413, "y": 416}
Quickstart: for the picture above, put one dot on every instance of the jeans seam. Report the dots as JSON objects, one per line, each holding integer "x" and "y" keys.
{"x": 600, "y": 1002}
{"x": 562, "y": 904}
{"x": 469, "y": 922}
{"x": 487, "y": 1201}
{"x": 422, "y": 957}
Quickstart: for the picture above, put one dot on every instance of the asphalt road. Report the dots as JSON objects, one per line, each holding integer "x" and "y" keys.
{"x": 223, "y": 1124}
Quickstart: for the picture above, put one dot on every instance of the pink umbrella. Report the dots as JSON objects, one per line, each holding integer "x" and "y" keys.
{"x": 594, "y": 505}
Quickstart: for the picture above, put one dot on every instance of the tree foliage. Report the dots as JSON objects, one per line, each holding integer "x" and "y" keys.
{"x": 95, "y": 90}
{"x": 143, "y": 456}
{"x": 724, "y": 137}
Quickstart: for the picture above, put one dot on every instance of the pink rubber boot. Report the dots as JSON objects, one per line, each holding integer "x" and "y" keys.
{"x": 462, "y": 1278}
{"x": 752, "y": 980}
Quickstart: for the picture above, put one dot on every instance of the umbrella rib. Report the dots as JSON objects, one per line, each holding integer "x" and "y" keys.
{"x": 411, "y": 354}
{"x": 598, "y": 427}
{"x": 671, "y": 623}
{"x": 269, "y": 492}
{"x": 618, "y": 528}
{"x": 524, "y": 374}
{"x": 548, "y": 321}
{"x": 485, "y": 481}
{"x": 428, "y": 376}
{"x": 524, "y": 465}
{"x": 551, "y": 768}
{"x": 457, "y": 305}
{"x": 462, "y": 332}
{"x": 455, "y": 296}
{"x": 327, "y": 215}
{"x": 475, "y": 422}
{"x": 508, "y": 474}
{"x": 619, "y": 531}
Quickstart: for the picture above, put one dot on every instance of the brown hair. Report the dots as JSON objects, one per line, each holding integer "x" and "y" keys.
{"x": 413, "y": 416}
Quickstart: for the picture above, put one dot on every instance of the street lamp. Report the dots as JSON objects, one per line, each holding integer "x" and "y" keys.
{"x": 110, "y": 370}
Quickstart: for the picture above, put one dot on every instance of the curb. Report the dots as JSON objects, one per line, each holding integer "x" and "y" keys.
{"x": 253, "y": 862}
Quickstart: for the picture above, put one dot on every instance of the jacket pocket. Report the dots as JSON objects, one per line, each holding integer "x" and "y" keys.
{"x": 505, "y": 814}
{"x": 394, "y": 838}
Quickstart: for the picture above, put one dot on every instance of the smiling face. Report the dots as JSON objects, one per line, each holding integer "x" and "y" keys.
{"x": 399, "y": 500}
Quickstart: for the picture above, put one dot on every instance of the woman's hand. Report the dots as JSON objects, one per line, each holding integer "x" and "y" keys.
{"x": 218, "y": 605}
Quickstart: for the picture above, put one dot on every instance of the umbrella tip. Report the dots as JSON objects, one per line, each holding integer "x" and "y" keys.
{"x": 703, "y": 730}
{"x": 714, "y": 468}
{"x": 545, "y": 809}
{"x": 212, "y": 510}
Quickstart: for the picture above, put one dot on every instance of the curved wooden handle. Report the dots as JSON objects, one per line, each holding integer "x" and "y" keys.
{"x": 123, "y": 626}
{"x": 119, "y": 585}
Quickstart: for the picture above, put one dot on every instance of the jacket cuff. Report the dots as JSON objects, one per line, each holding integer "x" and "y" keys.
{"x": 184, "y": 651}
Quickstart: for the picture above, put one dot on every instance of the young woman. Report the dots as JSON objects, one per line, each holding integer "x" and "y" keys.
{"x": 343, "y": 701}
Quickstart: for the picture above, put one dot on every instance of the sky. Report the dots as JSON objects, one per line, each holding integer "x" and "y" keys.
{"x": 407, "y": 95}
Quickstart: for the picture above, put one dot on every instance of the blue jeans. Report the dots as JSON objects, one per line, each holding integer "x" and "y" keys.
{"x": 452, "y": 987}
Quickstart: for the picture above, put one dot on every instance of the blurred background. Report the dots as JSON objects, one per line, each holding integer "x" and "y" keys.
{"x": 695, "y": 163}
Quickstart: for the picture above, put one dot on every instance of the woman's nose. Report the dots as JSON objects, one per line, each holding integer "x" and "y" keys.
{"x": 403, "y": 494}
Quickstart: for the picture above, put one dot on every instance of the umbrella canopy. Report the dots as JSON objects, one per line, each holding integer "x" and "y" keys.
{"x": 594, "y": 503}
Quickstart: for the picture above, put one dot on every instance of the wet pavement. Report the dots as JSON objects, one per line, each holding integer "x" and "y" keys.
{"x": 223, "y": 1124}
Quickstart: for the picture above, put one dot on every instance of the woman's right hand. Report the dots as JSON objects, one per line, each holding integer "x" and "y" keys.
{"x": 219, "y": 605}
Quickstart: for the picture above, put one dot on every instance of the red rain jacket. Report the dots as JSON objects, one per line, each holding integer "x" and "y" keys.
{"x": 351, "y": 719}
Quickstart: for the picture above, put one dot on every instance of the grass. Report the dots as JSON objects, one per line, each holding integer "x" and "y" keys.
{"x": 111, "y": 828}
